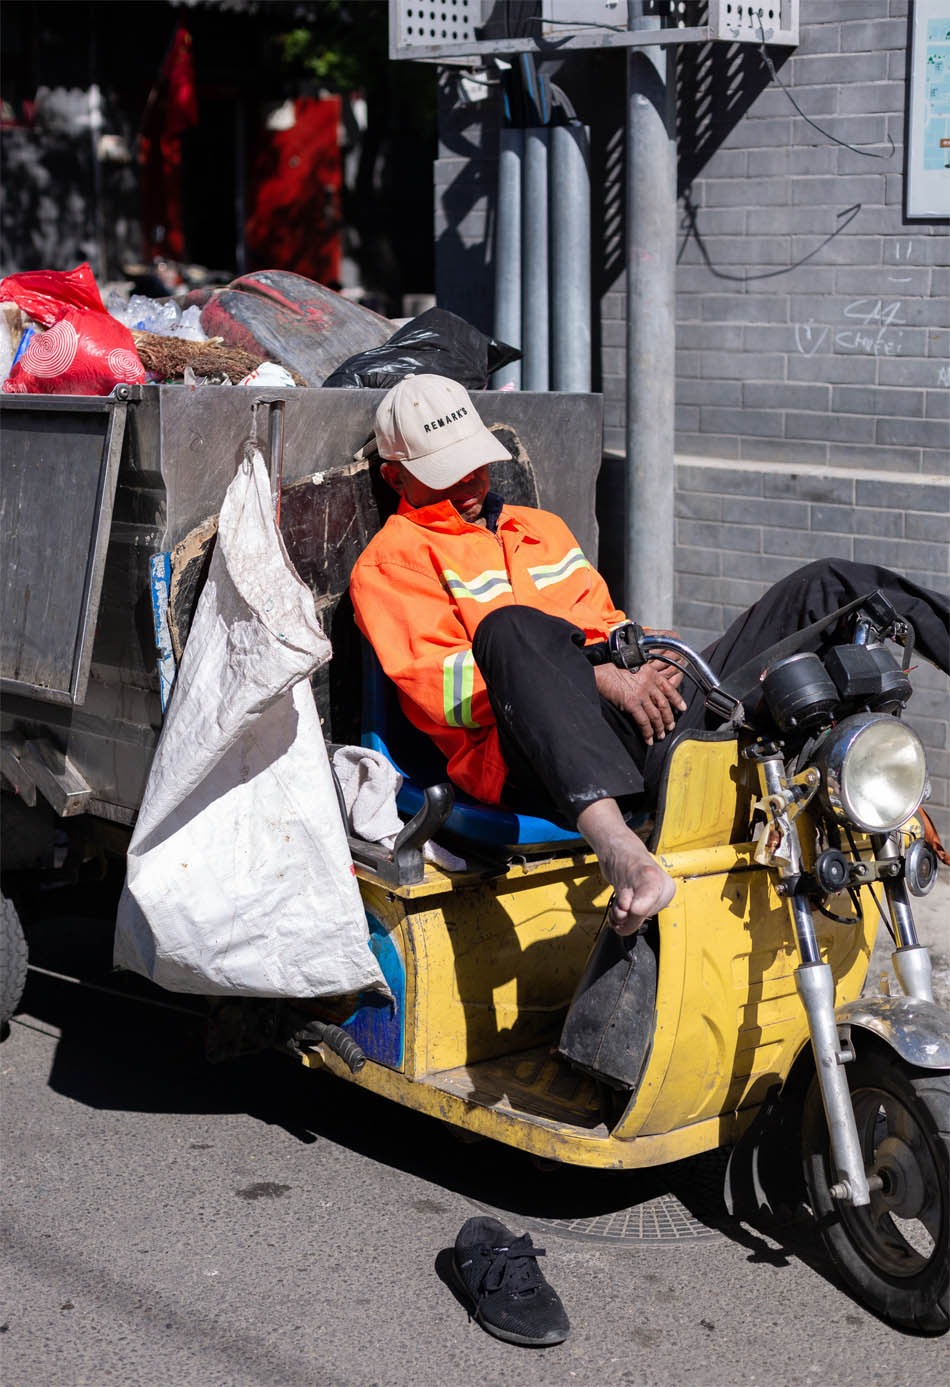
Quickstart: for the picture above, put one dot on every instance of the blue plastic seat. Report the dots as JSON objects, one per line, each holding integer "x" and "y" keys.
{"x": 418, "y": 760}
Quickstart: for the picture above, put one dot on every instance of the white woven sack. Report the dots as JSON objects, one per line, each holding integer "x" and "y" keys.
{"x": 239, "y": 877}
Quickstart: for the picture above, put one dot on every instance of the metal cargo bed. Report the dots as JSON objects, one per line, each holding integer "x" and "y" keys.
{"x": 95, "y": 489}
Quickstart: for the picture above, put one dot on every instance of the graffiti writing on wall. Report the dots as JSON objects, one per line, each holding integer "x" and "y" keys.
{"x": 873, "y": 329}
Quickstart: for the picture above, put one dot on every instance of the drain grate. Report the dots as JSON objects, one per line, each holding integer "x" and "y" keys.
{"x": 690, "y": 1207}
{"x": 661, "y": 1220}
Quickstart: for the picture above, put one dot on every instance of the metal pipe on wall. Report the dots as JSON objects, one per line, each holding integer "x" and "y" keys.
{"x": 507, "y": 316}
{"x": 535, "y": 322}
{"x": 650, "y": 264}
{"x": 570, "y": 258}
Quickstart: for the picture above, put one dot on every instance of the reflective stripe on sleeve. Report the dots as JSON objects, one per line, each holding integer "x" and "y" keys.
{"x": 547, "y": 573}
{"x": 485, "y": 587}
{"x": 458, "y": 686}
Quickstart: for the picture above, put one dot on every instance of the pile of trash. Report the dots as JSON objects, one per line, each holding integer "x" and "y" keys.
{"x": 208, "y": 360}
{"x": 269, "y": 328}
{"x": 68, "y": 344}
{"x": 436, "y": 343}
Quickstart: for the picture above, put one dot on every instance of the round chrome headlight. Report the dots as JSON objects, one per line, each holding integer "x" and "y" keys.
{"x": 874, "y": 771}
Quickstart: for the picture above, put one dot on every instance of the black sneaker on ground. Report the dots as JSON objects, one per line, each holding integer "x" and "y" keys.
{"x": 500, "y": 1276}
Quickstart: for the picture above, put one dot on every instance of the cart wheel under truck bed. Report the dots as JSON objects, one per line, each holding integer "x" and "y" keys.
{"x": 12, "y": 961}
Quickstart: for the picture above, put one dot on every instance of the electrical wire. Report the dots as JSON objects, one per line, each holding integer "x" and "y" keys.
{"x": 490, "y": 83}
{"x": 855, "y": 149}
{"x": 575, "y": 24}
{"x": 849, "y": 213}
{"x": 113, "y": 991}
{"x": 853, "y": 919}
{"x": 880, "y": 909}
{"x": 693, "y": 230}
{"x": 562, "y": 102}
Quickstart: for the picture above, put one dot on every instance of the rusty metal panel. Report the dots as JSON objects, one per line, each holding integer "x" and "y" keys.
{"x": 332, "y": 505}
{"x": 202, "y": 435}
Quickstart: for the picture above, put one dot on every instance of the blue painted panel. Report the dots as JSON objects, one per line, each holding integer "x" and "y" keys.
{"x": 160, "y": 576}
{"x": 377, "y": 1025}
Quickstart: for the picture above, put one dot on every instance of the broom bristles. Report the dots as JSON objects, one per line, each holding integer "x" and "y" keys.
{"x": 168, "y": 356}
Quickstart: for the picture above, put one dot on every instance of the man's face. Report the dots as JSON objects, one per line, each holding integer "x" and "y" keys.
{"x": 467, "y": 494}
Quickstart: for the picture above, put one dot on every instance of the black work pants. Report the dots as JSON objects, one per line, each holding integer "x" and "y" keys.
{"x": 567, "y": 747}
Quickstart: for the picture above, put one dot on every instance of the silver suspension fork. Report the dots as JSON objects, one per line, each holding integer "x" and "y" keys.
{"x": 911, "y": 959}
{"x": 816, "y": 987}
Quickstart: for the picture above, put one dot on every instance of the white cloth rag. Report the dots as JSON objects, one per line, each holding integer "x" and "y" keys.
{"x": 370, "y": 784}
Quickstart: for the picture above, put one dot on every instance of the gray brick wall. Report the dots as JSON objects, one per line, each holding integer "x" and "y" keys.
{"x": 812, "y": 403}
{"x": 813, "y": 324}
{"x": 740, "y": 526}
{"x": 843, "y": 359}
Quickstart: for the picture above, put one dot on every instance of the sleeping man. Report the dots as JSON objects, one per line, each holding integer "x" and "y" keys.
{"x": 480, "y": 613}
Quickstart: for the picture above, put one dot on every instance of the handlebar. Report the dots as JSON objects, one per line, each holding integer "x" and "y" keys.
{"x": 629, "y": 647}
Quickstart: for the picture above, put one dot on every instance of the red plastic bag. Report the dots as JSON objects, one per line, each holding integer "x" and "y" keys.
{"x": 85, "y": 351}
{"x": 44, "y": 295}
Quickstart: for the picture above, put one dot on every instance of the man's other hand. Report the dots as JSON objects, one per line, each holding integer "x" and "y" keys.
{"x": 650, "y": 695}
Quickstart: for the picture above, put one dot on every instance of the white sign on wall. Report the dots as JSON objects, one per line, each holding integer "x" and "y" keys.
{"x": 927, "y": 163}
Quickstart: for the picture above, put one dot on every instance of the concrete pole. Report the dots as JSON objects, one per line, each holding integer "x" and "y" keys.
{"x": 536, "y": 324}
{"x": 570, "y": 258}
{"x": 651, "y": 322}
{"x": 507, "y": 319}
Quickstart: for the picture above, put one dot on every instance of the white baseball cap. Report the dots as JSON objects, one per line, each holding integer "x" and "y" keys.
{"x": 429, "y": 424}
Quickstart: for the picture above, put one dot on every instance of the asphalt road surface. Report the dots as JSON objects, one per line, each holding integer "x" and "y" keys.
{"x": 177, "y": 1224}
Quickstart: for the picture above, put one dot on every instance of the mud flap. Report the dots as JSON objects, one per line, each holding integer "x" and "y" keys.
{"x": 609, "y": 1027}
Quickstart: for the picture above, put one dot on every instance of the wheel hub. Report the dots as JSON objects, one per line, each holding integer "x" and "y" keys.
{"x": 904, "y": 1191}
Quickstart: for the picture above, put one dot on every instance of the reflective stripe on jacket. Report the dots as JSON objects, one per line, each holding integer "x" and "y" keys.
{"x": 419, "y": 590}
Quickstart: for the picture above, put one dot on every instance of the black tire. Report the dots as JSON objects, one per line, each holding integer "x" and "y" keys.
{"x": 895, "y": 1252}
{"x": 12, "y": 961}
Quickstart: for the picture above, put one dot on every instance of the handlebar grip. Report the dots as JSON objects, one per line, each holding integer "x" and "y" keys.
{"x": 315, "y": 1032}
{"x": 345, "y": 1046}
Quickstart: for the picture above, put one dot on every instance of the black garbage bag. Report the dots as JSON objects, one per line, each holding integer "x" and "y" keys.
{"x": 437, "y": 343}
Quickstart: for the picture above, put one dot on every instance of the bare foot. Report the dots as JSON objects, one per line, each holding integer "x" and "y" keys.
{"x": 641, "y": 886}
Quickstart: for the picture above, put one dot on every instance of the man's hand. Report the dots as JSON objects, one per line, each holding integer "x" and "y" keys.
{"x": 650, "y": 695}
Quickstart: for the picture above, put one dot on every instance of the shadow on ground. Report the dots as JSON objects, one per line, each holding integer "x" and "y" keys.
{"x": 125, "y": 1045}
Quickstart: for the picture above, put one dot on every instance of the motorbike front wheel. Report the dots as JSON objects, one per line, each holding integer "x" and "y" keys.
{"x": 894, "y": 1253}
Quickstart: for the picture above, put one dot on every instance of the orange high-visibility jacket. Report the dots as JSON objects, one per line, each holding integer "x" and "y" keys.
{"x": 419, "y": 590}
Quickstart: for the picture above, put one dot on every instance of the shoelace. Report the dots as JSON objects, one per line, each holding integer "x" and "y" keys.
{"x": 514, "y": 1263}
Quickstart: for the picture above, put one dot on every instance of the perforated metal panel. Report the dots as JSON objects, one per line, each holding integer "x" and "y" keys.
{"x": 738, "y": 21}
{"x": 423, "y": 24}
{"x": 466, "y": 30}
